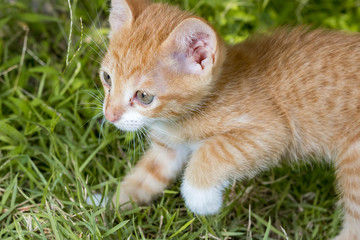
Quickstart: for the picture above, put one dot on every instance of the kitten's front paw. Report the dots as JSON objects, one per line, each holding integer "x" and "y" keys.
{"x": 129, "y": 193}
{"x": 122, "y": 199}
{"x": 202, "y": 201}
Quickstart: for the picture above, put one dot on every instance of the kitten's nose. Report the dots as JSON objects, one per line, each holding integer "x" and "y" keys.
{"x": 112, "y": 115}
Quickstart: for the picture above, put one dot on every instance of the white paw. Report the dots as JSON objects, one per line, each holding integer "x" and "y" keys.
{"x": 97, "y": 200}
{"x": 202, "y": 201}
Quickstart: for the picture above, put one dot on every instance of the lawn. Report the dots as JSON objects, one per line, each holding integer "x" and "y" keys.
{"x": 56, "y": 149}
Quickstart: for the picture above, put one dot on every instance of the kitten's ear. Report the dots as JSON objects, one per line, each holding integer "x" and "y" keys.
{"x": 125, "y": 11}
{"x": 193, "y": 46}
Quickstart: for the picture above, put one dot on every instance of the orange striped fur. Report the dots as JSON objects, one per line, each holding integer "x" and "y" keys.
{"x": 229, "y": 112}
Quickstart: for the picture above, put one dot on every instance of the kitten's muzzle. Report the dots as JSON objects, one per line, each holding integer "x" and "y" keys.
{"x": 112, "y": 116}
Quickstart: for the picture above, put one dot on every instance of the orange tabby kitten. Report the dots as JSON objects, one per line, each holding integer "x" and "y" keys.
{"x": 229, "y": 112}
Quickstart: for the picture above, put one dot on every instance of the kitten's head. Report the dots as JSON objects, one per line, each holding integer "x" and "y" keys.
{"x": 160, "y": 63}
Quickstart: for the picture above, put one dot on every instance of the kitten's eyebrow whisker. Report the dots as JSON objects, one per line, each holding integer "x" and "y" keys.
{"x": 95, "y": 51}
{"x": 102, "y": 51}
{"x": 88, "y": 44}
{"x": 100, "y": 35}
{"x": 95, "y": 60}
{"x": 152, "y": 70}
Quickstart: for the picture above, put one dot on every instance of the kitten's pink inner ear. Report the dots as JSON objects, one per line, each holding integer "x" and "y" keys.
{"x": 200, "y": 52}
{"x": 193, "y": 46}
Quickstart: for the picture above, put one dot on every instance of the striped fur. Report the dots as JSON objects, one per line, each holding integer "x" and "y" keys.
{"x": 229, "y": 112}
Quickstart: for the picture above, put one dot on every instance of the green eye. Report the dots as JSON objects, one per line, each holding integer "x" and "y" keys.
{"x": 106, "y": 78}
{"x": 144, "y": 97}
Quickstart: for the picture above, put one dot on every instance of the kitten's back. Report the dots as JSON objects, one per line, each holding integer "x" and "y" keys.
{"x": 311, "y": 76}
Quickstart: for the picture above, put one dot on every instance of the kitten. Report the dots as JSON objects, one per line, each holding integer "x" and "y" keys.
{"x": 229, "y": 112}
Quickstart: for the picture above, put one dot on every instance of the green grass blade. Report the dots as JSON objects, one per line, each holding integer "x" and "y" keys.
{"x": 19, "y": 229}
{"x": 8, "y": 191}
{"x": 268, "y": 228}
{"x": 52, "y": 222}
{"x": 16, "y": 136}
{"x": 182, "y": 228}
{"x": 114, "y": 229}
{"x": 262, "y": 221}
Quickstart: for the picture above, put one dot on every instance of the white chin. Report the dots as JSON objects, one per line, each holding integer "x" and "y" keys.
{"x": 131, "y": 121}
{"x": 128, "y": 127}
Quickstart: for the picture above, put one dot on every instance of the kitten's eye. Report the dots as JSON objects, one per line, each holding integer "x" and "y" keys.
{"x": 144, "y": 97}
{"x": 106, "y": 78}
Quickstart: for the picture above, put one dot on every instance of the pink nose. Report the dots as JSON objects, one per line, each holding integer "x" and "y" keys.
{"x": 112, "y": 116}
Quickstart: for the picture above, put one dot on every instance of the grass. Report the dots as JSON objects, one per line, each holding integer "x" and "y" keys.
{"x": 55, "y": 150}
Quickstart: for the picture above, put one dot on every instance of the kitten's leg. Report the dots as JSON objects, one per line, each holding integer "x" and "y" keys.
{"x": 348, "y": 176}
{"x": 225, "y": 157}
{"x": 151, "y": 175}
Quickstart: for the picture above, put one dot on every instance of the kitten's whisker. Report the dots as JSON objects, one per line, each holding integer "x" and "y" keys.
{"x": 137, "y": 139}
{"x": 140, "y": 143}
{"x": 95, "y": 96}
{"x": 93, "y": 118}
{"x": 141, "y": 140}
{"x": 167, "y": 133}
{"x": 101, "y": 129}
{"x": 128, "y": 148}
{"x": 91, "y": 108}
{"x": 101, "y": 100}
{"x": 91, "y": 103}
{"x": 96, "y": 108}
{"x": 98, "y": 90}
{"x": 134, "y": 144}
